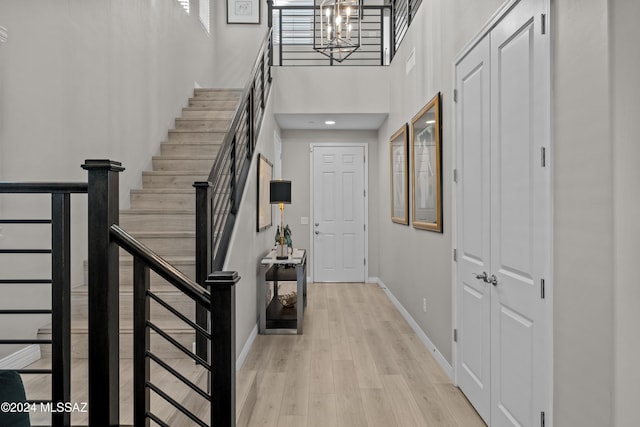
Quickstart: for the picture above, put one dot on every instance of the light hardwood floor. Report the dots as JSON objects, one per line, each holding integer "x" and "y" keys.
{"x": 358, "y": 363}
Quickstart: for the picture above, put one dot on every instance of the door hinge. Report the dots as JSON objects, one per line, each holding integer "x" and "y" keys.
{"x": 455, "y": 255}
{"x": 543, "y": 23}
{"x": 455, "y": 335}
{"x": 543, "y": 157}
{"x": 542, "y": 420}
{"x": 365, "y": 261}
{"x": 364, "y": 158}
{"x": 365, "y": 227}
{"x": 364, "y": 192}
{"x": 455, "y": 175}
{"x": 455, "y": 95}
{"x": 542, "y": 289}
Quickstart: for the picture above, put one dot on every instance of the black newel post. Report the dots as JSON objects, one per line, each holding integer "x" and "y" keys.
{"x": 61, "y": 304}
{"x": 222, "y": 348}
{"x": 104, "y": 348}
{"x": 203, "y": 256}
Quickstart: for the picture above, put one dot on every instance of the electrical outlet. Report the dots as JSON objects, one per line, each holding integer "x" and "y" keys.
{"x": 424, "y": 305}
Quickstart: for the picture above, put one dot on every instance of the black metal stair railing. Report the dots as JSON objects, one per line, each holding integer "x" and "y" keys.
{"x": 217, "y": 298}
{"x": 218, "y": 198}
{"x": 60, "y": 282}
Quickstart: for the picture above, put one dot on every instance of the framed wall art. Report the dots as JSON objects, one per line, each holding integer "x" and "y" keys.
{"x": 426, "y": 167}
{"x": 243, "y": 11}
{"x": 265, "y": 174}
{"x": 399, "y": 171}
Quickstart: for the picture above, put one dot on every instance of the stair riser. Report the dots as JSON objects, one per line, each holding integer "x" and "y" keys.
{"x": 196, "y": 137}
{"x": 159, "y": 346}
{"x": 178, "y": 181}
{"x": 217, "y": 104}
{"x": 158, "y": 222}
{"x": 169, "y": 246}
{"x": 208, "y": 150}
{"x": 156, "y": 282}
{"x": 159, "y": 315}
{"x": 217, "y": 94}
{"x": 220, "y": 125}
{"x": 207, "y": 114}
{"x": 169, "y": 164}
{"x": 163, "y": 201}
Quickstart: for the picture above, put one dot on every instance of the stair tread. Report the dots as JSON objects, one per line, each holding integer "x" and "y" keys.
{"x": 84, "y": 290}
{"x": 162, "y": 233}
{"x": 157, "y": 212}
{"x": 164, "y": 191}
{"x": 169, "y": 173}
{"x": 191, "y": 157}
{"x": 208, "y": 119}
{"x": 171, "y": 259}
{"x": 197, "y": 130}
{"x": 179, "y": 144}
{"x": 205, "y": 108}
{"x": 79, "y": 326}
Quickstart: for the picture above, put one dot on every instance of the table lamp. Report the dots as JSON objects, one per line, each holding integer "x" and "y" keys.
{"x": 280, "y": 193}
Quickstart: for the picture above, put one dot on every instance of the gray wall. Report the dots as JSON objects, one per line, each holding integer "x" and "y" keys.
{"x": 416, "y": 264}
{"x": 625, "y": 63}
{"x": 583, "y": 216}
{"x": 248, "y": 247}
{"x": 594, "y": 160}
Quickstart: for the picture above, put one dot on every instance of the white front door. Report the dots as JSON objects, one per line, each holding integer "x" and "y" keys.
{"x": 473, "y": 225}
{"x": 503, "y": 221}
{"x": 520, "y": 216}
{"x": 338, "y": 216}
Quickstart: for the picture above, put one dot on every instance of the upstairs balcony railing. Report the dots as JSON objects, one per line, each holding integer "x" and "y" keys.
{"x": 383, "y": 27}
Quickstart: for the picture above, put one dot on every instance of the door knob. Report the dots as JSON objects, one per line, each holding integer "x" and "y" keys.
{"x": 317, "y": 232}
{"x": 493, "y": 280}
{"x": 482, "y": 276}
{"x": 317, "y": 224}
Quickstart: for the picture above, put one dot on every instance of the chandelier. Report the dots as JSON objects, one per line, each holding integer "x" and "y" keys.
{"x": 336, "y": 28}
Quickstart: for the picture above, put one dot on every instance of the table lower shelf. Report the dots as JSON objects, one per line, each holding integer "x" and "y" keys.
{"x": 280, "y": 317}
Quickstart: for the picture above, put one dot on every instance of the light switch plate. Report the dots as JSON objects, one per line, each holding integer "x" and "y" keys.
{"x": 304, "y": 220}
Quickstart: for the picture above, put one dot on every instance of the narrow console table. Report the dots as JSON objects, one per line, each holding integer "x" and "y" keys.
{"x": 275, "y": 318}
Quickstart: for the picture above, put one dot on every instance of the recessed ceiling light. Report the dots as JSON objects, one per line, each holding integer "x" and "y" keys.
{"x": 330, "y": 122}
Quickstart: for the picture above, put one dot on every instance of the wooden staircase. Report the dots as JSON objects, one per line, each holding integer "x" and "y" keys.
{"x": 162, "y": 216}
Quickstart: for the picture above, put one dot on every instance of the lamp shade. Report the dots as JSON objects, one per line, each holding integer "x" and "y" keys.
{"x": 280, "y": 191}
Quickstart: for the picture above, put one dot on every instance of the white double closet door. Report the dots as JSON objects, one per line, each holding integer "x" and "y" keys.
{"x": 503, "y": 221}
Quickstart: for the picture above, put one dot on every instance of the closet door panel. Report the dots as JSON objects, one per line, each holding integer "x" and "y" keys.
{"x": 473, "y": 233}
{"x": 516, "y": 323}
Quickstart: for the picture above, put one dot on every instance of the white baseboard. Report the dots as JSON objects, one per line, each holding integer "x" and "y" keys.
{"x": 419, "y": 332}
{"x": 373, "y": 280}
{"x": 246, "y": 348}
{"x": 21, "y": 358}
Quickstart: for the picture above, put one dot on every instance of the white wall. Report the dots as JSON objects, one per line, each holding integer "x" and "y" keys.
{"x": 236, "y": 44}
{"x": 91, "y": 79}
{"x": 296, "y": 167}
{"x": 625, "y": 109}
